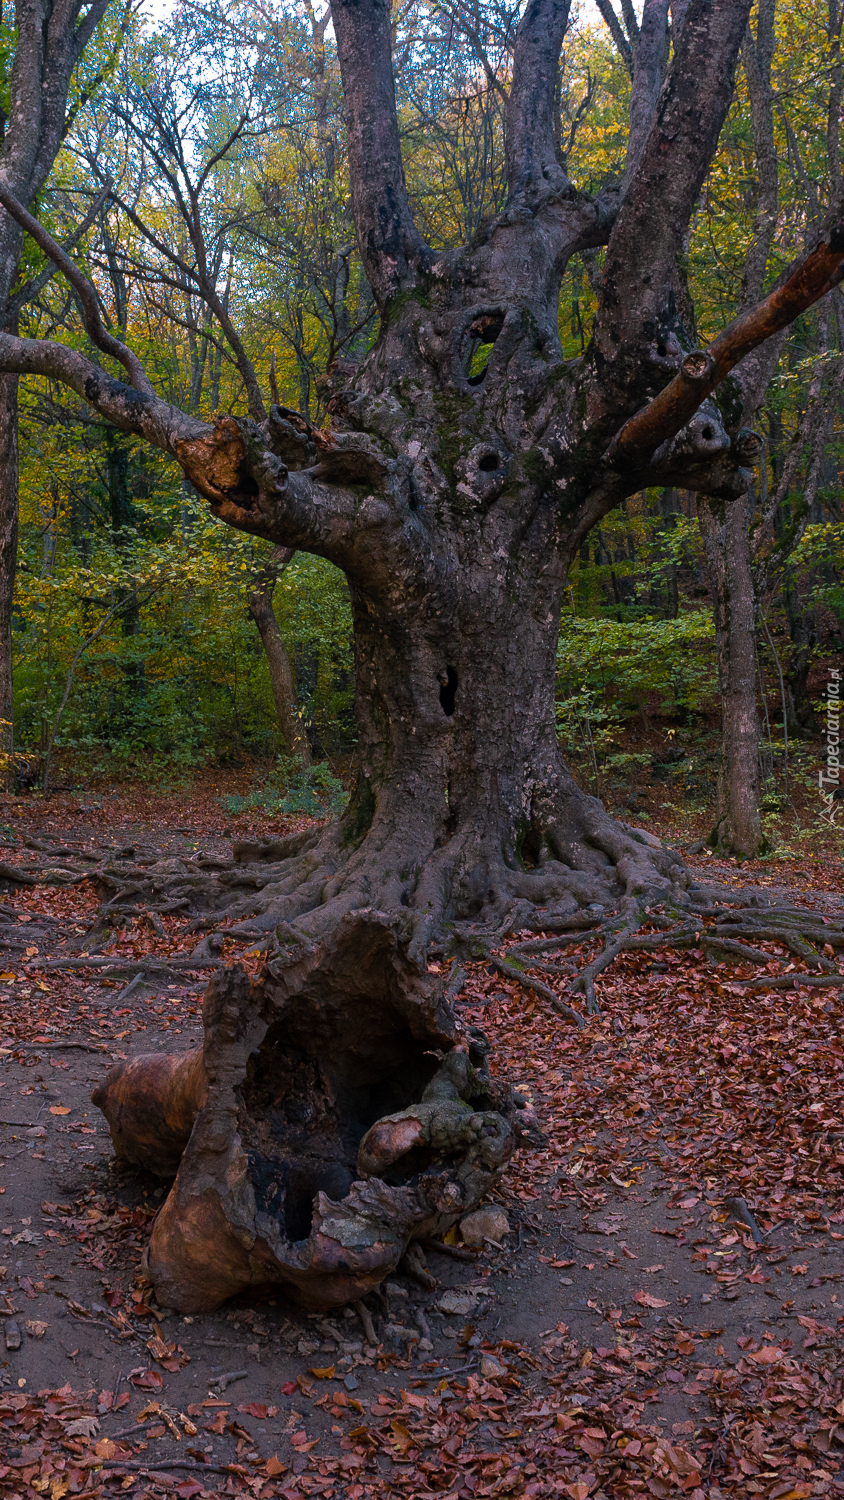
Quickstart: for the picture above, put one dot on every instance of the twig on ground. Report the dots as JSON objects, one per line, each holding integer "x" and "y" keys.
{"x": 130, "y": 988}
{"x": 223, "y": 1381}
{"x": 457, "y": 1252}
{"x": 368, "y": 1326}
{"x": 60, "y": 1046}
{"x": 173, "y": 1463}
{"x": 739, "y": 1210}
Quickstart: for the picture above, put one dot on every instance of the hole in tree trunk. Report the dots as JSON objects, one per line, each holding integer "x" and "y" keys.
{"x": 247, "y": 486}
{"x": 448, "y": 689}
{"x": 301, "y": 1122}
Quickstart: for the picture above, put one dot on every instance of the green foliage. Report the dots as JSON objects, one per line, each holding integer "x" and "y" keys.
{"x": 313, "y": 790}
{"x": 610, "y": 671}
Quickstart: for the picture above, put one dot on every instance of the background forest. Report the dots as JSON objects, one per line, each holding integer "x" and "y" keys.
{"x": 204, "y": 160}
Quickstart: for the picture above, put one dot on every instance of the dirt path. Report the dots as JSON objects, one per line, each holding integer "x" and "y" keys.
{"x": 665, "y": 1317}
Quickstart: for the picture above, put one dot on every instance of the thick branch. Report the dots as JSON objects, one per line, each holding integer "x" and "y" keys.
{"x": 390, "y": 245}
{"x": 648, "y": 74}
{"x": 669, "y": 412}
{"x": 532, "y": 165}
{"x": 97, "y": 333}
{"x": 649, "y": 232}
{"x": 230, "y": 463}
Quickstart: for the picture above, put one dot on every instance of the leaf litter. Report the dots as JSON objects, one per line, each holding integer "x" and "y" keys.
{"x": 720, "y": 1106}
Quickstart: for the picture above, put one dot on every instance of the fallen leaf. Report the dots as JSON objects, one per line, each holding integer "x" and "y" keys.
{"x": 147, "y": 1380}
{"x": 81, "y": 1427}
{"x": 645, "y": 1299}
{"x": 58, "y": 1109}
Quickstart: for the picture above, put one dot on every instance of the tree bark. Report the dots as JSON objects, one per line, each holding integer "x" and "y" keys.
{"x": 8, "y": 568}
{"x": 282, "y": 679}
{"x": 728, "y": 557}
{"x": 320, "y": 1132}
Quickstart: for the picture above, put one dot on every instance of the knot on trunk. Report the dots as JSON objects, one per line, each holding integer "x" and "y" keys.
{"x": 330, "y": 1116}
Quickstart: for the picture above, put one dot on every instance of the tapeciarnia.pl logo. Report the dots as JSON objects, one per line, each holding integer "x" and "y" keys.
{"x": 829, "y": 778}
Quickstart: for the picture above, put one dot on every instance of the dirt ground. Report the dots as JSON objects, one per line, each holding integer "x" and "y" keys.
{"x": 665, "y": 1316}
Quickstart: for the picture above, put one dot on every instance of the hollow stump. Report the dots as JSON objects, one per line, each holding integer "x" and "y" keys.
{"x": 330, "y": 1116}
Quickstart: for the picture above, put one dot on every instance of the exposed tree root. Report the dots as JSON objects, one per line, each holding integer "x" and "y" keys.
{"x": 350, "y": 1029}
{"x": 632, "y": 895}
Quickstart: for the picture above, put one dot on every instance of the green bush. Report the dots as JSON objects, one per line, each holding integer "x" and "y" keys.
{"x": 313, "y": 790}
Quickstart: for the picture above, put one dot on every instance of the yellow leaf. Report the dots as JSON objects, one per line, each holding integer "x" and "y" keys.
{"x": 59, "y": 1109}
{"x": 402, "y": 1438}
{"x": 326, "y": 1373}
{"x": 8, "y": 978}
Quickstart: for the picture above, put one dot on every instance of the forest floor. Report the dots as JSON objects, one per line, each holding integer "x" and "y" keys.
{"x": 633, "y": 1336}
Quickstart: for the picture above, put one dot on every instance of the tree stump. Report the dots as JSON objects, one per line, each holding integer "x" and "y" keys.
{"x": 330, "y": 1116}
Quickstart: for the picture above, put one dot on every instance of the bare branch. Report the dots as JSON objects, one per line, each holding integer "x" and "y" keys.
{"x": 757, "y": 56}
{"x": 532, "y": 166}
{"x": 33, "y": 288}
{"x": 701, "y": 371}
{"x": 97, "y": 333}
{"x": 625, "y": 51}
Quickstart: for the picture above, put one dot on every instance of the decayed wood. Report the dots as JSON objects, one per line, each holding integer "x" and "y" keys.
{"x": 331, "y": 1116}
{"x": 151, "y": 1103}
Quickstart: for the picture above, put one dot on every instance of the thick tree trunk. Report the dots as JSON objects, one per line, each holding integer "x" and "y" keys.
{"x": 463, "y": 805}
{"x": 726, "y": 533}
{"x": 282, "y": 680}
{"x": 320, "y": 1131}
{"x": 8, "y": 567}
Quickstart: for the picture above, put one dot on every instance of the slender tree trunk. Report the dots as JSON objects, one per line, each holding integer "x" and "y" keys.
{"x": 282, "y": 679}
{"x": 726, "y": 533}
{"x": 8, "y": 565}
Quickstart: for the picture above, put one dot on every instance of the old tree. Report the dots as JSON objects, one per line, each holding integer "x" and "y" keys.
{"x": 331, "y": 1116}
